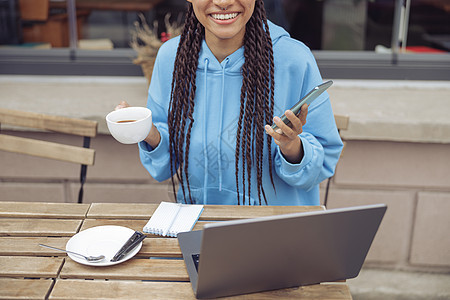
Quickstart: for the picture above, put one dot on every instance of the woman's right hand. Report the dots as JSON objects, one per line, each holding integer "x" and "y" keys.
{"x": 121, "y": 105}
{"x": 154, "y": 137}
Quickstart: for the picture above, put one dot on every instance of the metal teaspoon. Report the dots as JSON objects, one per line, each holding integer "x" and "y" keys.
{"x": 88, "y": 258}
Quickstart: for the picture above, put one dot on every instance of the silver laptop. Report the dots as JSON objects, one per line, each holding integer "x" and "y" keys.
{"x": 245, "y": 256}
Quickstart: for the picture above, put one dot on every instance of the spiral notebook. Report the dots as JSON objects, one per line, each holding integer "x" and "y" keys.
{"x": 171, "y": 218}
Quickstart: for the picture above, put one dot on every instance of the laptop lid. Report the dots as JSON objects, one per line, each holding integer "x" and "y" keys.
{"x": 245, "y": 256}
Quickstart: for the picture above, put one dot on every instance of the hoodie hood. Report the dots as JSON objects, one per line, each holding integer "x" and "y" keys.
{"x": 236, "y": 59}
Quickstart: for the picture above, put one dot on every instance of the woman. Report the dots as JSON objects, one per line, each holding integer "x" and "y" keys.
{"x": 212, "y": 92}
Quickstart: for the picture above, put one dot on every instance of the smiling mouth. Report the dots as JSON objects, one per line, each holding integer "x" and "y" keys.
{"x": 224, "y": 16}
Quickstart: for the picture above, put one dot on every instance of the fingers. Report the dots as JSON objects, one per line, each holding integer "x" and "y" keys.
{"x": 295, "y": 127}
{"x": 283, "y": 134}
{"x": 121, "y": 105}
{"x": 297, "y": 121}
{"x": 276, "y": 136}
{"x": 303, "y": 114}
{"x": 288, "y": 131}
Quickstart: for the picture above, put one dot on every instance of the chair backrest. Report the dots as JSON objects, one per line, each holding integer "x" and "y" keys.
{"x": 341, "y": 124}
{"x": 72, "y": 126}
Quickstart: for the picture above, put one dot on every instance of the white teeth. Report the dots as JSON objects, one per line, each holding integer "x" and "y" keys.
{"x": 224, "y": 16}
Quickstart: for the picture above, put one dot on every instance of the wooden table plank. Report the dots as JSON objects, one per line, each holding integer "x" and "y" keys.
{"x": 96, "y": 289}
{"x": 30, "y": 266}
{"x": 29, "y": 246}
{"x": 125, "y": 290}
{"x": 160, "y": 247}
{"x": 211, "y": 212}
{"x": 228, "y": 212}
{"x": 38, "y": 227}
{"x": 137, "y": 211}
{"x": 43, "y": 210}
{"x": 134, "y": 269}
{"x": 29, "y": 289}
{"x": 133, "y": 224}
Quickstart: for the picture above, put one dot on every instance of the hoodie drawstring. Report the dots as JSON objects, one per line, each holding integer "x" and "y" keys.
{"x": 219, "y": 142}
{"x": 205, "y": 146}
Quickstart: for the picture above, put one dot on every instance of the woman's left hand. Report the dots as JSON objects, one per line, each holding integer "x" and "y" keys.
{"x": 289, "y": 142}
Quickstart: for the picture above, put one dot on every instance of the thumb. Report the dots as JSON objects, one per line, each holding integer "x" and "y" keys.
{"x": 121, "y": 105}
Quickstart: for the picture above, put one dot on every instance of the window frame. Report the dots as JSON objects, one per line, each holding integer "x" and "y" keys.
{"x": 119, "y": 62}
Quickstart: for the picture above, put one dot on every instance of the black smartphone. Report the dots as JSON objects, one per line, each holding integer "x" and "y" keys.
{"x": 313, "y": 94}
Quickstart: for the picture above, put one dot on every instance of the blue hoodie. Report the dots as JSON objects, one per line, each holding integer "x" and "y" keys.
{"x": 213, "y": 138}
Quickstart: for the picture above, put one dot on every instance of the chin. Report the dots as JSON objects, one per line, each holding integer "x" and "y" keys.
{"x": 226, "y": 34}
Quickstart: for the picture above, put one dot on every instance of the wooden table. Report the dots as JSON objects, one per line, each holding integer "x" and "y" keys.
{"x": 29, "y": 271}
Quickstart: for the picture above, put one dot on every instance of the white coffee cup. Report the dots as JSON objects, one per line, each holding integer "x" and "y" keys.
{"x": 130, "y": 125}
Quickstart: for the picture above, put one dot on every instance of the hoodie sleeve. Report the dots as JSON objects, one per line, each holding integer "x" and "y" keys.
{"x": 321, "y": 142}
{"x": 321, "y": 146}
{"x": 157, "y": 160}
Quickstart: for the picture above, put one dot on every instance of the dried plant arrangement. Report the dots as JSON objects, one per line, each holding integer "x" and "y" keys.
{"x": 146, "y": 42}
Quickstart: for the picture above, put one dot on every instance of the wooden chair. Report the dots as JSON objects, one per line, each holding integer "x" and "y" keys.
{"x": 79, "y": 155}
{"x": 342, "y": 124}
{"x": 40, "y": 24}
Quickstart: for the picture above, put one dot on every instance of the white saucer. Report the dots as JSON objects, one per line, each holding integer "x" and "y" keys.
{"x": 101, "y": 240}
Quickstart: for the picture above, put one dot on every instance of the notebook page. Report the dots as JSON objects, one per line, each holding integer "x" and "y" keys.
{"x": 186, "y": 219}
{"x": 162, "y": 219}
